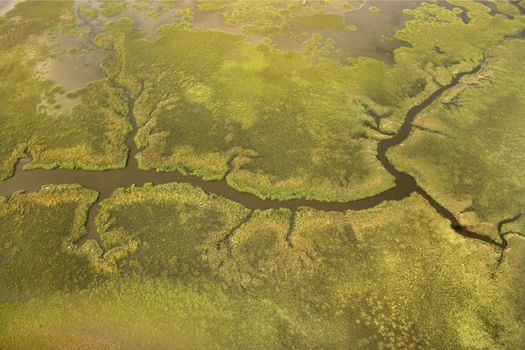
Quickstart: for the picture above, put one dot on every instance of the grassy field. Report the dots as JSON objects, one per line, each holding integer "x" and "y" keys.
{"x": 90, "y": 136}
{"x": 474, "y": 167}
{"x": 37, "y": 253}
{"x": 179, "y": 268}
{"x": 186, "y": 269}
{"x": 262, "y": 115}
{"x": 257, "y": 109}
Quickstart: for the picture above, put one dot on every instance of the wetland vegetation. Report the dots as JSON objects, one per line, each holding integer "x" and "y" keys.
{"x": 233, "y": 174}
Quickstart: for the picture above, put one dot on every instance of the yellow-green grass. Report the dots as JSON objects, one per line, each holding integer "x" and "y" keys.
{"x": 288, "y": 127}
{"x": 37, "y": 251}
{"x": 388, "y": 275}
{"x": 188, "y": 222}
{"x": 91, "y": 136}
{"x": 112, "y": 8}
{"x": 89, "y": 12}
{"x": 476, "y": 169}
{"x": 321, "y": 21}
{"x": 187, "y": 269}
{"x": 431, "y": 49}
{"x": 277, "y": 19}
{"x": 505, "y": 7}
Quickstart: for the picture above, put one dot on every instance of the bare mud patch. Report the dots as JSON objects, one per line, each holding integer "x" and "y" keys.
{"x": 6, "y": 6}
{"x": 74, "y": 64}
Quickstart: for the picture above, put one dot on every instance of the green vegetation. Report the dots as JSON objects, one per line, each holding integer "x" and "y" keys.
{"x": 112, "y": 8}
{"x": 507, "y": 8}
{"x": 439, "y": 57}
{"x": 19, "y": 90}
{"x": 321, "y": 21}
{"x": 278, "y": 18}
{"x": 188, "y": 269}
{"x": 510, "y": 280}
{"x": 90, "y": 136}
{"x": 261, "y": 108}
{"x": 273, "y": 124}
{"x": 37, "y": 254}
{"x": 187, "y": 222}
{"x": 173, "y": 266}
{"x": 476, "y": 168}
{"x": 89, "y": 12}
{"x": 374, "y": 9}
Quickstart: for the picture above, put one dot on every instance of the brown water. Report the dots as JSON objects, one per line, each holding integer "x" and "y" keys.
{"x": 375, "y": 31}
{"x": 71, "y": 72}
{"x": 75, "y": 62}
{"x": 374, "y": 37}
{"x": 106, "y": 182}
{"x": 213, "y": 20}
{"x": 74, "y": 71}
{"x": 147, "y": 25}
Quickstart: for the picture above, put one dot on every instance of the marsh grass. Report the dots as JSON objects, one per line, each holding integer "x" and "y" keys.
{"x": 89, "y": 12}
{"x": 91, "y": 136}
{"x": 187, "y": 269}
{"x": 37, "y": 253}
{"x": 112, "y": 8}
{"x": 271, "y": 108}
{"x": 321, "y": 21}
{"x": 476, "y": 168}
{"x": 395, "y": 275}
{"x": 184, "y": 222}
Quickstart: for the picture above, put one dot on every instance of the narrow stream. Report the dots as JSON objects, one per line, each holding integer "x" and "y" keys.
{"x": 106, "y": 182}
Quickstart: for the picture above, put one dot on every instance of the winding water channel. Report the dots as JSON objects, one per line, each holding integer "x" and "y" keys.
{"x": 106, "y": 182}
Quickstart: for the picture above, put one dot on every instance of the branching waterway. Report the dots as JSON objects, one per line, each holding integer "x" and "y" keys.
{"x": 106, "y": 182}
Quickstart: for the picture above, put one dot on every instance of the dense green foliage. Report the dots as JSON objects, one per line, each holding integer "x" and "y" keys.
{"x": 477, "y": 167}
{"x": 37, "y": 254}
{"x": 186, "y": 269}
{"x": 267, "y": 109}
{"x": 177, "y": 267}
{"x": 90, "y": 136}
